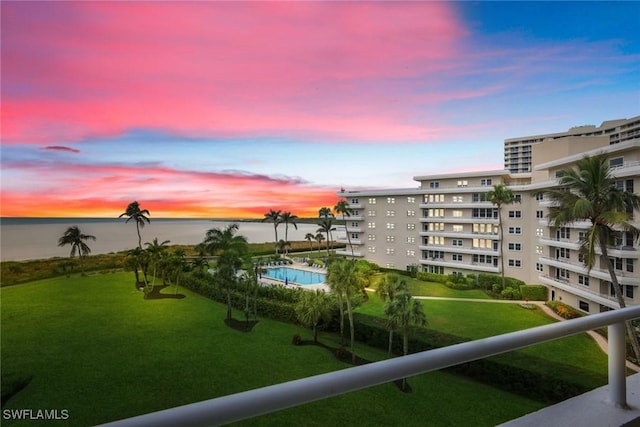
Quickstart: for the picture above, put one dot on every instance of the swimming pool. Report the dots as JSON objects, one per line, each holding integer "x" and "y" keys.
{"x": 295, "y": 276}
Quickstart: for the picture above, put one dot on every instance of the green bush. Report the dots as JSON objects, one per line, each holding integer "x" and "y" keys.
{"x": 534, "y": 292}
{"x": 563, "y": 310}
{"x": 510, "y": 293}
{"x": 432, "y": 277}
{"x": 460, "y": 286}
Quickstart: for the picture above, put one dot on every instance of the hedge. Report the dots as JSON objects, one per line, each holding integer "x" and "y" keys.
{"x": 534, "y": 292}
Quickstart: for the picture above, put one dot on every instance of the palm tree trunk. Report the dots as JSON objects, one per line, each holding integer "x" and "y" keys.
{"x": 315, "y": 332}
{"x": 501, "y": 253}
{"x": 348, "y": 236}
{"x": 139, "y": 236}
{"x": 633, "y": 337}
{"x": 390, "y": 343}
{"x": 351, "y": 328}
{"x": 341, "y": 306}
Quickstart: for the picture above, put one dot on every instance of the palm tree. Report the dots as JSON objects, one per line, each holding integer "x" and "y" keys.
{"x": 139, "y": 216}
{"x": 386, "y": 290}
{"x": 137, "y": 259}
{"x": 325, "y": 213}
{"x": 319, "y": 238}
{"x": 309, "y": 237}
{"x": 499, "y": 196}
{"x": 155, "y": 249}
{"x": 346, "y": 280}
{"x": 326, "y": 226}
{"x": 342, "y": 207}
{"x": 312, "y": 308}
{"x": 589, "y": 193}
{"x": 74, "y": 237}
{"x": 283, "y": 245}
{"x": 231, "y": 248}
{"x": 287, "y": 218}
{"x": 403, "y": 311}
{"x": 273, "y": 216}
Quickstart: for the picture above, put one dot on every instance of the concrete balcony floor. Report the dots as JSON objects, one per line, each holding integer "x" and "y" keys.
{"x": 587, "y": 410}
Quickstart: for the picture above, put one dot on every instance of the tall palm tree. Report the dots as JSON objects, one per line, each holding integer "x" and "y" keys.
{"x": 342, "y": 207}
{"x": 346, "y": 281}
{"x": 326, "y": 226}
{"x": 386, "y": 290}
{"x": 230, "y": 248}
{"x": 273, "y": 216}
{"x": 155, "y": 249}
{"x": 288, "y": 218}
{"x": 588, "y": 192}
{"x": 138, "y": 259}
{"x": 74, "y": 237}
{"x": 326, "y": 214}
{"x": 133, "y": 212}
{"x": 500, "y": 196}
{"x": 283, "y": 245}
{"x": 402, "y": 311}
{"x": 309, "y": 237}
{"x": 312, "y": 308}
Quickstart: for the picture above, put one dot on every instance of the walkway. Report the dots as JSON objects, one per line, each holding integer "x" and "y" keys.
{"x": 599, "y": 339}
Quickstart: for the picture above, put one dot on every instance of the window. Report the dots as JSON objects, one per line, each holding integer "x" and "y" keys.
{"x": 372, "y": 200}
{"x": 354, "y": 235}
{"x": 411, "y": 252}
{"x": 583, "y": 280}
{"x": 390, "y": 265}
{"x": 539, "y": 214}
{"x": 432, "y": 213}
{"x": 515, "y": 230}
{"x": 515, "y": 263}
{"x": 563, "y": 233}
{"x": 457, "y": 257}
{"x": 539, "y": 232}
{"x": 629, "y": 265}
{"x": 462, "y": 183}
{"x": 563, "y": 253}
{"x": 434, "y": 184}
{"x": 515, "y": 214}
{"x": 457, "y": 228}
{"x": 456, "y": 242}
{"x": 411, "y": 226}
{"x": 539, "y": 196}
{"x": 539, "y": 250}
{"x": 584, "y": 306}
{"x": 411, "y": 239}
{"x": 485, "y": 228}
{"x": 391, "y": 213}
{"x": 458, "y": 199}
{"x": 484, "y": 213}
{"x": 354, "y": 224}
{"x": 391, "y": 200}
{"x": 433, "y": 198}
{"x": 391, "y": 251}
{"x": 411, "y": 212}
{"x": 371, "y": 237}
{"x": 371, "y": 225}
{"x": 355, "y": 213}
{"x": 411, "y": 199}
{"x": 517, "y": 198}
{"x": 479, "y": 197}
{"x": 485, "y": 259}
{"x": 436, "y": 226}
{"x": 391, "y": 226}
{"x": 628, "y": 291}
{"x": 539, "y": 267}
{"x": 433, "y": 254}
{"x": 457, "y": 213}
{"x": 618, "y": 162}
{"x": 484, "y": 182}
{"x": 371, "y": 249}
{"x": 482, "y": 243}
{"x": 355, "y": 201}
{"x": 436, "y": 240}
{"x": 391, "y": 239}
{"x": 562, "y": 273}
{"x": 515, "y": 246}
{"x": 371, "y": 213}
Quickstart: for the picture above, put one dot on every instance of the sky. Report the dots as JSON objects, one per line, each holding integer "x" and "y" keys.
{"x": 229, "y": 109}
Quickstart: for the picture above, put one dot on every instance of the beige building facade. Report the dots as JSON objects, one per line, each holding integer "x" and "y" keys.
{"x": 446, "y": 225}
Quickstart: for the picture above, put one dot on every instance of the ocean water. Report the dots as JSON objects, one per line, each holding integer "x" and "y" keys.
{"x": 37, "y": 238}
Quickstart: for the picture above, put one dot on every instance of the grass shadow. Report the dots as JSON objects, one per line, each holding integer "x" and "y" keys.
{"x": 11, "y": 385}
{"x": 241, "y": 325}
{"x": 156, "y": 293}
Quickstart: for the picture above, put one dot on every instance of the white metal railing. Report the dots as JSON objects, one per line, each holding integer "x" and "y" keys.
{"x": 273, "y": 398}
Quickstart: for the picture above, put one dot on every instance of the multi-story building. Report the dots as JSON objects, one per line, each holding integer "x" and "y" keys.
{"x": 447, "y": 225}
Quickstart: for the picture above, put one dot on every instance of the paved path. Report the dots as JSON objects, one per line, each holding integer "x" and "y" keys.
{"x": 599, "y": 339}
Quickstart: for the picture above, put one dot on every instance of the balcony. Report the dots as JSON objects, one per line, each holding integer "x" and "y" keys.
{"x": 624, "y": 278}
{"x": 347, "y": 252}
{"x": 582, "y": 292}
{"x": 610, "y": 405}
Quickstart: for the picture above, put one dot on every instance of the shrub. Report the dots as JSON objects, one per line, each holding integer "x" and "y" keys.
{"x": 563, "y": 310}
{"x": 296, "y": 340}
{"x": 461, "y": 286}
{"x": 534, "y": 292}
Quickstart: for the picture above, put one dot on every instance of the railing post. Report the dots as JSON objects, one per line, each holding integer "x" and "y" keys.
{"x": 617, "y": 367}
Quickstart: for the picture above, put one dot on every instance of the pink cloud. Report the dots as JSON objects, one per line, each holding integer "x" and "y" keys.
{"x": 60, "y": 148}
{"x": 245, "y": 68}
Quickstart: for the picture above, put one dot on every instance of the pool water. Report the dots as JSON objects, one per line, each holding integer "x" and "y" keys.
{"x": 295, "y": 276}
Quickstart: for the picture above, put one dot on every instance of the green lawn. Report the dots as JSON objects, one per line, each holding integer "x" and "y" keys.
{"x": 95, "y": 347}
{"x": 433, "y": 289}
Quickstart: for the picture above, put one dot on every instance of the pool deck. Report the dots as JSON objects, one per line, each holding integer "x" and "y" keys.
{"x": 299, "y": 266}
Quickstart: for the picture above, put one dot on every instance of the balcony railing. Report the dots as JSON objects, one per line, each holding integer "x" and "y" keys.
{"x": 277, "y": 397}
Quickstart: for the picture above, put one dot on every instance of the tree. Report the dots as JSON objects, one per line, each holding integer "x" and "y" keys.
{"x": 137, "y": 260}
{"x": 312, "y": 308}
{"x": 588, "y": 192}
{"x": 309, "y": 237}
{"x": 283, "y": 245}
{"x": 386, "y": 290}
{"x": 140, "y": 217}
{"x": 155, "y": 249}
{"x": 325, "y": 213}
{"x": 346, "y": 280}
{"x": 288, "y": 218}
{"x": 273, "y": 216}
{"x": 230, "y": 248}
{"x": 319, "y": 238}
{"x": 74, "y": 237}
{"x": 342, "y": 207}
{"x": 499, "y": 196}
{"x": 326, "y": 226}
{"x": 403, "y": 311}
